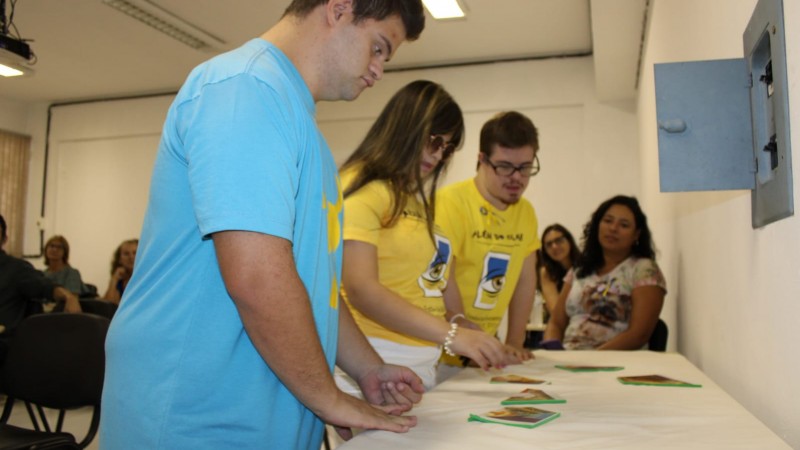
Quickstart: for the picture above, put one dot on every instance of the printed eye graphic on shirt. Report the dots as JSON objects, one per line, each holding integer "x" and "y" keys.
{"x": 432, "y": 280}
{"x": 493, "y": 278}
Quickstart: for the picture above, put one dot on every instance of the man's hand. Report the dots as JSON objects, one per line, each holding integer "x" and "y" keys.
{"x": 393, "y": 386}
{"x": 348, "y": 412}
{"x": 392, "y": 389}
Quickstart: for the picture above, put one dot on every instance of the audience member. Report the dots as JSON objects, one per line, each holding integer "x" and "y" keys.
{"x": 20, "y": 285}
{"x": 121, "y": 270}
{"x": 56, "y": 258}
{"x": 229, "y": 328}
{"x": 395, "y": 258}
{"x": 613, "y": 296}
{"x": 557, "y": 255}
{"x": 493, "y": 233}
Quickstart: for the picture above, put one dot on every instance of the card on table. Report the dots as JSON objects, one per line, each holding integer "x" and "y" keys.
{"x": 532, "y": 397}
{"x": 655, "y": 380}
{"x": 576, "y": 368}
{"x": 516, "y": 379}
{"x": 516, "y": 416}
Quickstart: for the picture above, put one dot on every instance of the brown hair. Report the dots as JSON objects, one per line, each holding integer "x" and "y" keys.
{"x": 392, "y": 149}
{"x": 61, "y": 240}
{"x": 509, "y": 129}
{"x": 118, "y": 253}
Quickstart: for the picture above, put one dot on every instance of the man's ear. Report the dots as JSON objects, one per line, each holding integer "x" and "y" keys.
{"x": 336, "y": 9}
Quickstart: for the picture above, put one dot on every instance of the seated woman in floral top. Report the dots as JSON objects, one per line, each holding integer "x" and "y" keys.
{"x": 612, "y": 298}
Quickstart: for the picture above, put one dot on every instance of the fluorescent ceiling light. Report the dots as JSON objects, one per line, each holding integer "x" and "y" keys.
{"x": 8, "y": 71}
{"x": 154, "y": 16}
{"x": 12, "y": 65}
{"x": 444, "y": 9}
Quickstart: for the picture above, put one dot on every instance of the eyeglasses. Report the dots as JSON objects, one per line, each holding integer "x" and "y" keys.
{"x": 438, "y": 143}
{"x": 507, "y": 170}
{"x": 557, "y": 241}
{"x": 55, "y": 246}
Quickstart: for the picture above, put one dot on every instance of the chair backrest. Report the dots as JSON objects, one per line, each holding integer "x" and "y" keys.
{"x": 57, "y": 360}
{"x": 658, "y": 340}
{"x": 99, "y": 307}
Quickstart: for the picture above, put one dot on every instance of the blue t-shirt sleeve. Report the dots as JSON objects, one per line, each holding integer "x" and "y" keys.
{"x": 242, "y": 164}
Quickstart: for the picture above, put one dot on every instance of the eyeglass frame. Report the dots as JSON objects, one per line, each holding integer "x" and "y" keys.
{"x": 437, "y": 143}
{"x": 554, "y": 242}
{"x": 535, "y": 167}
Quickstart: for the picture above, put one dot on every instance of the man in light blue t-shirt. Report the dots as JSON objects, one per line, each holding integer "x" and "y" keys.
{"x": 228, "y": 331}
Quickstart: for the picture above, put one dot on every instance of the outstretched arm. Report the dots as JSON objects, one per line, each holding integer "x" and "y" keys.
{"x": 381, "y": 384}
{"x": 558, "y": 319}
{"x": 519, "y": 310}
{"x": 371, "y": 298}
{"x": 549, "y": 290}
{"x": 260, "y": 275}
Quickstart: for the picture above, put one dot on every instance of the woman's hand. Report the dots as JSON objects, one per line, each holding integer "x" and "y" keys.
{"x": 484, "y": 350}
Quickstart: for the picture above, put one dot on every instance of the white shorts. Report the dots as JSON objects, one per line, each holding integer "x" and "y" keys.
{"x": 421, "y": 359}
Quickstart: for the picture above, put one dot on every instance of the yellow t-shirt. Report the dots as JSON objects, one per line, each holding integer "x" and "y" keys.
{"x": 489, "y": 246}
{"x": 409, "y": 264}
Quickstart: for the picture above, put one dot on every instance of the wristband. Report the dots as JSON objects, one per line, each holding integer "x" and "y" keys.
{"x": 454, "y": 318}
{"x": 448, "y": 341}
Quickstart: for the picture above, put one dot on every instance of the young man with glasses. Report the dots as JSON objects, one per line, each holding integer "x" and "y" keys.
{"x": 494, "y": 235}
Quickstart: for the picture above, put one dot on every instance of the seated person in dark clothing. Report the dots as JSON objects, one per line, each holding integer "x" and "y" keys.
{"x": 21, "y": 284}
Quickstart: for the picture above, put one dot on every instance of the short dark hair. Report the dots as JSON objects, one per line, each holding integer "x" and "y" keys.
{"x": 2, "y": 227}
{"x": 510, "y": 129}
{"x": 409, "y": 11}
{"x": 591, "y": 258}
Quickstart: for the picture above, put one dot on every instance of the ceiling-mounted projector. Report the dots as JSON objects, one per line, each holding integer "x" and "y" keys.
{"x": 14, "y": 53}
{"x": 15, "y": 47}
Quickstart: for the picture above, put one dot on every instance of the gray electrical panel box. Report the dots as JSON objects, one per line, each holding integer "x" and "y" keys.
{"x": 725, "y": 124}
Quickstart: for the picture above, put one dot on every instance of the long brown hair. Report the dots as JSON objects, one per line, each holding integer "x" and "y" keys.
{"x": 392, "y": 149}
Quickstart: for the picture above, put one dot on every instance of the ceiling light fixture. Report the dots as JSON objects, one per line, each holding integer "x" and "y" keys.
{"x": 444, "y": 9}
{"x": 15, "y": 53}
{"x": 12, "y": 69}
{"x": 168, "y": 23}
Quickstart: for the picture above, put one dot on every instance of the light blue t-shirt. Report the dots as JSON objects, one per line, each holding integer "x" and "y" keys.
{"x": 240, "y": 150}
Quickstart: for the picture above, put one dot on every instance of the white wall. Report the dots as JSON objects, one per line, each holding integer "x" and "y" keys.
{"x": 101, "y": 153}
{"x": 735, "y": 288}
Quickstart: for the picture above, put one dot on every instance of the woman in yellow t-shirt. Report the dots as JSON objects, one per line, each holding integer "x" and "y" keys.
{"x": 395, "y": 259}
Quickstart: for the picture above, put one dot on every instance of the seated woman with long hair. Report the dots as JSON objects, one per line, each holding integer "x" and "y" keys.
{"x": 613, "y": 297}
{"x": 556, "y": 257}
{"x": 121, "y": 270}
{"x": 395, "y": 260}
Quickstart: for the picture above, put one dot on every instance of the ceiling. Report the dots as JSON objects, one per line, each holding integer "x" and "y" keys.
{"x": 88, "y": 50}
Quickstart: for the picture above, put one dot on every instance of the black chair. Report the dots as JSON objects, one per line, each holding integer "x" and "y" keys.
{"x": 88, "y": 290}
{"x": 658, "y": 340}
{"x": 54, "y": 361}
{"x": 99, "y": 307}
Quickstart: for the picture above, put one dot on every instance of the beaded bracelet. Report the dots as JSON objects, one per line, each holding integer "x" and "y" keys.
{"x": 454, "y": 318}
{"x": 448, "y": 341}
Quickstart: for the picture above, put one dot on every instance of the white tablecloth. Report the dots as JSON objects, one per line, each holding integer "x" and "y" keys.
{"x": 600, "y": 412}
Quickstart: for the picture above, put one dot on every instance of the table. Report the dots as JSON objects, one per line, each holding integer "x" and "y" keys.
{"x": 600, "y": 412}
